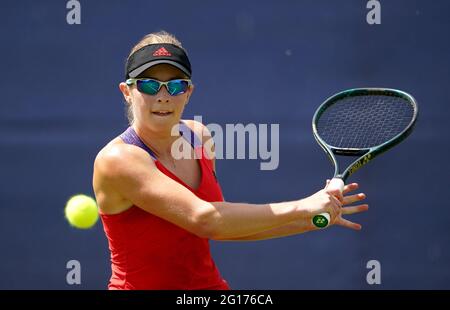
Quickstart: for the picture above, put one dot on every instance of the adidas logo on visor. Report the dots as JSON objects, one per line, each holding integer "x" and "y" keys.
{"x": 162, "y": 52}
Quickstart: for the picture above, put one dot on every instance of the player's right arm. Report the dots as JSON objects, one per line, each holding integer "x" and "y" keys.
{"x": 129, "y": 172}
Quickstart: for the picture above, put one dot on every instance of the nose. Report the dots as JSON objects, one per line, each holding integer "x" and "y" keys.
{"x": 163, "y": 95}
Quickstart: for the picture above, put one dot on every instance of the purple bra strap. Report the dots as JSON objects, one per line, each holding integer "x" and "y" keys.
{"x": 130, "y": 136}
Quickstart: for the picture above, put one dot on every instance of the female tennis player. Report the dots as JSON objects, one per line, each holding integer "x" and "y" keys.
{"x": 159, "y": 211}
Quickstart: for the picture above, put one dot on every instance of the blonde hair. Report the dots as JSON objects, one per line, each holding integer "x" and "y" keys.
{"x": 154, "y": 38}
{"x": 151, "y": 38}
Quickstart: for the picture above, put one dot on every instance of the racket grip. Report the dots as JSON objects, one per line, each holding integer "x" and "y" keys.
{"x": 336, "y": 183}
{"x": 323, "y": 219}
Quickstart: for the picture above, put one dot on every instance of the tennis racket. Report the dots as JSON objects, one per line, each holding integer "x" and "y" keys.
{"x": 364, "y": 123}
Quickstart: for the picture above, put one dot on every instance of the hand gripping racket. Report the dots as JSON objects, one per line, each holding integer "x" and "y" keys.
{"x": 361, "y": 122}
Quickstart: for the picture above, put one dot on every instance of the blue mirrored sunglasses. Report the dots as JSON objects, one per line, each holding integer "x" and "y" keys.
{"x": 152, "y": 87}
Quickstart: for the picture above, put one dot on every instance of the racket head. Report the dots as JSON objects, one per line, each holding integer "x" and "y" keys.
{"x": 363, "y": 122}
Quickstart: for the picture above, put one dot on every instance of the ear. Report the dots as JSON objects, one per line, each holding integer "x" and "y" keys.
{"x": 125, "y": 92}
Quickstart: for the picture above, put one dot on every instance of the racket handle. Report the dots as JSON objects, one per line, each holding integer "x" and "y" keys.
{"x": 336, "y": 183}
{"x": 323, "y": 219}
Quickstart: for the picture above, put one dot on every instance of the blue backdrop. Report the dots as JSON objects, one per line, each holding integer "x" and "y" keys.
{"x": 253, "y": 62}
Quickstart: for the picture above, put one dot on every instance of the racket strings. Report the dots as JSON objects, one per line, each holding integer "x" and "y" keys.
{"x": 364, "y": 121}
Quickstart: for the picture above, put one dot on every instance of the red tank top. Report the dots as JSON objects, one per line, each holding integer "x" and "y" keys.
{"x": 148, "y": 252}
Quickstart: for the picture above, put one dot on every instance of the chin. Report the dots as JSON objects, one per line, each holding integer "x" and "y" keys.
{"x": 163, "y": 123}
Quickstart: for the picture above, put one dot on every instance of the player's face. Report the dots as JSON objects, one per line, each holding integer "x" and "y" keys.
{"x": 161, "y": 111}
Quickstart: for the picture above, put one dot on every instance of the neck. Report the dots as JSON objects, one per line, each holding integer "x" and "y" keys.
{"x": 160, "y": 142}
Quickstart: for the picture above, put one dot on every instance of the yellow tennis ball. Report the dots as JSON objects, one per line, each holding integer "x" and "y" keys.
{"x": 81, "y": 211}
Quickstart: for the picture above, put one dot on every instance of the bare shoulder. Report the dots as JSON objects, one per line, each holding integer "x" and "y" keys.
{"x": 207, "y": 140}
{"x": 114, "y": 155}
{"x": 116, "y": 162}
{"x": 200, "y": 129}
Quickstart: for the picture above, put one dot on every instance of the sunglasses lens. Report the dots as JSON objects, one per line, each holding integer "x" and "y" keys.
{"x": 150, "y": 87}
{"x": 177, "y": 87}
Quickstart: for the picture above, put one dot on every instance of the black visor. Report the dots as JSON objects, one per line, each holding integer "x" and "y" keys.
{"x": 154, "y": 54}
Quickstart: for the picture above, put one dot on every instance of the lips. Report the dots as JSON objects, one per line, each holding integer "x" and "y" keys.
{"x": 162, "y": 113}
